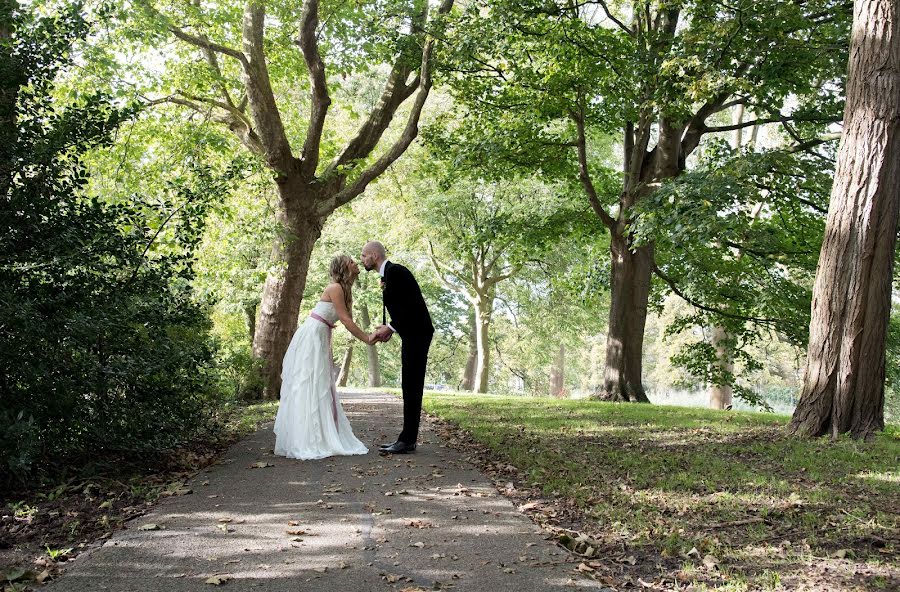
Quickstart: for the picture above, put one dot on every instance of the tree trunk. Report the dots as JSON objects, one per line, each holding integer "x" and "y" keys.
{"x": 720, "y": 395}
{"x": 843, "y": 385}
{"x": 250, "y": 319}
{"x": 630, "y": 282}
{"x": 283, "y": 291}
{"x": 558, "y": 373}
{"x": 468, "y": 381}
{"x": 371, "y": 350}
{"x": 345, "y": 366}
{"x": 484, "y": 305}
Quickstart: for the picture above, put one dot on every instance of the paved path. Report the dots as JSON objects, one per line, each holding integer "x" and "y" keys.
{"x": 427, "y": 521}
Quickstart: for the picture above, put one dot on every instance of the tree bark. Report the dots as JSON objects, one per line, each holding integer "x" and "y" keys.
{"x": 371, "y": 350}
{"x": 345, "y": 366}
{"x": 484, "y": 308}
{"x": 558, "y": 373}
{"x": 631, "y": 272}
{"x": 843, "y": 385}
{"x": 468, "y": 380}
{"x": 283, "y": 291}
{"x": 720, "y": 395}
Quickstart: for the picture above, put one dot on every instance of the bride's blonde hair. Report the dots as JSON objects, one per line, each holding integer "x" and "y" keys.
{"x": 341, "y": 274}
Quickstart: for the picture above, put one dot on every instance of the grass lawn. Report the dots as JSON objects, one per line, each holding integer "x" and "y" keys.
{"x": 719, "y": 500}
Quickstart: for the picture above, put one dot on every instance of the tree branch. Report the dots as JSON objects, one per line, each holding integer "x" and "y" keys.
{"x": 320, "y": 101}
{"x": 206, "y": 44}
{"x": 440, "y": 269}
{"x": 407, "y": 136}
{"x": 260, "y": 96}
{"x": 585, "y": 175}
{"x": 610, "y": 16}
{"x": 671, "y": 283}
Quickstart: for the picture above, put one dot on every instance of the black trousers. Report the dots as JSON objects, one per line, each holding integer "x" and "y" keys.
{"x": 413, "y": 358}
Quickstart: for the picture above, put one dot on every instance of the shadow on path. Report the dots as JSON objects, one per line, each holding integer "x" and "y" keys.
{"x": 428, "y": 521}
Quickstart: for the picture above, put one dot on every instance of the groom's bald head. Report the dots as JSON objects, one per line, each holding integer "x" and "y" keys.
{"x": 373, "y": 254}
{"x": 376, "y": 248}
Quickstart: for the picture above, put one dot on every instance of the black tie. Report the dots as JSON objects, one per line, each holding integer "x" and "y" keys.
{"x": 383, "y": 314}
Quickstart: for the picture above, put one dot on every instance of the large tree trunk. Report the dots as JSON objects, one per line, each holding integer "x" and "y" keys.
{"x": 283, "y": 291}
{"x": 371, "y": 350}
{"x": 843, "y": 385}
{"x": 484, "y": 308}
{"x": 345, "y": 366}
{"x": 630, "y": 281}
{"x": 468, "y": 380}
{"x": 558, "y": 373}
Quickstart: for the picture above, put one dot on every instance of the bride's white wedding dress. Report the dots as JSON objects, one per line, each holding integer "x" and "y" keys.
{"x": 311, "y": 422}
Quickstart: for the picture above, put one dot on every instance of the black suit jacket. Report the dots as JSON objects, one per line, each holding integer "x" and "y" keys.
{"x": 403, "y": 299}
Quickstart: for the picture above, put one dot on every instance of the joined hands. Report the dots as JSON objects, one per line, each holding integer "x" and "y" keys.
{"x": 382, "y": 333}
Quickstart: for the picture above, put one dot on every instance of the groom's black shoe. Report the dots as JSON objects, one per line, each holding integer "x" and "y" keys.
{"x": 399, "y": 448}
{"x": 383, "y": 446}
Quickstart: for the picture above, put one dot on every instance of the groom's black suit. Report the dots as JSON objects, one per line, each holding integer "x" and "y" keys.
{"x": 403, "y": 300}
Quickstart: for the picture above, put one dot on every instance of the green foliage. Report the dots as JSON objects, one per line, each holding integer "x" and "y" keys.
{"x": 754, "y": 224}
{"x": 104, "y": 350}
{"x": 524, "y": 72}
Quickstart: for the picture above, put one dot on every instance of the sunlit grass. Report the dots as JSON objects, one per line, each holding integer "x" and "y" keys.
{"x": 644, "y": 472}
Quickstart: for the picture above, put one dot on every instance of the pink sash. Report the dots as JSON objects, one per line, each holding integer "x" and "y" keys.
{"x": 330, "y": 353}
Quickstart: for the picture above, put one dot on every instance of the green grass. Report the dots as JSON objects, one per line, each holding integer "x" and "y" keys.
{"x": 661, "y": 477}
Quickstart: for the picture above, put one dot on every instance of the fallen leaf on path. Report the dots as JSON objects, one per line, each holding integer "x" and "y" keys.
{"x": 218, "y": 580}
{"x": 298, "y": 533}
{"x": 293, "y": 523}
{"x": 150, "y": 526}
{"x": 261, "y": 465}
{"x": 418, "y": 544}
{"x": 224, "y": 528}
{"x": 42, "y": 577}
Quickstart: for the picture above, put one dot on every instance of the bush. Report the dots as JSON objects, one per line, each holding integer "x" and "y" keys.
{"x": 103, "y": 349}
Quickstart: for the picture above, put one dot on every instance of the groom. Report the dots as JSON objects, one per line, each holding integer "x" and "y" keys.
{"x": 410, "y": 319}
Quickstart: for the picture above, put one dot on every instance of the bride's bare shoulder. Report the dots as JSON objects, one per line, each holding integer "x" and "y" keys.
{"x": 332, "y": 292}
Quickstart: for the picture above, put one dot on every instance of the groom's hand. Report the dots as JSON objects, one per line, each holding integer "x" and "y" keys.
{"x": 383, "y": 333}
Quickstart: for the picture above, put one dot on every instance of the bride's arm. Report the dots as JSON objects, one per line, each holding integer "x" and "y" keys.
{"x": 336, "y": 293}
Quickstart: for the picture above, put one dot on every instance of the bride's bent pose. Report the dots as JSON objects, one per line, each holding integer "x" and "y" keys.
{"x": 311, "y": 422}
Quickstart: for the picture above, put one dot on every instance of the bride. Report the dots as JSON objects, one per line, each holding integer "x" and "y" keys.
{"x": 311, "y": 422}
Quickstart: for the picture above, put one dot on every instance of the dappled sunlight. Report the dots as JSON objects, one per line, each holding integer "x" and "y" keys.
{"x": 668, "y": 480}
{"x": 882, "y": 477}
